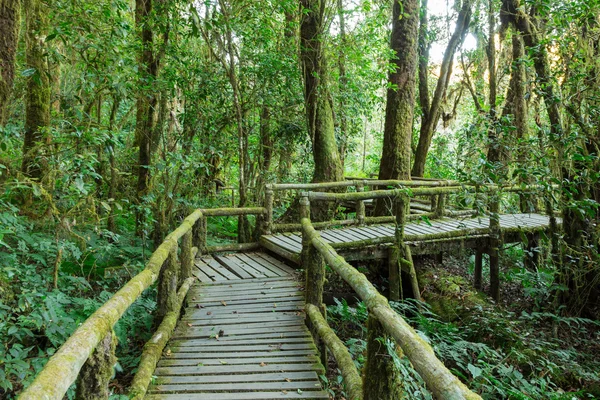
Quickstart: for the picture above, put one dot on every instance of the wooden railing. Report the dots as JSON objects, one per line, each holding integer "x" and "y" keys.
{"x": 382, "y": 320}
{"x": 88, "y": 355}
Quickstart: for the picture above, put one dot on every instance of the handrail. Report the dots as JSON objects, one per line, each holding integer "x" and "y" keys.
{"x": 442, "y": 383}
{"x": 63, "y": 368}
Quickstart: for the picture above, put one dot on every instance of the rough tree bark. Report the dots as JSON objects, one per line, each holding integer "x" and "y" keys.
{"x": 343, "y": 82}
{"x": 10, "y": 21}
{"x": 37, "y": 99}
{"x": 328, "y": 164}
{"x": 395, "y": 158}
{"x": 146, "y": 102}
{"x": 431, "y": 112}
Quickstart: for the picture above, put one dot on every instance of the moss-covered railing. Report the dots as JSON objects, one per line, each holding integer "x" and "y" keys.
{"x": 88, "y": 356}
{"x": 379, "y": 382}
{"x": 432, "y": 210}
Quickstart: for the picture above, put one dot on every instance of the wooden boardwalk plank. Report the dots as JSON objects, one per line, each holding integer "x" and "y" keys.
{"x": 243, "y": 335}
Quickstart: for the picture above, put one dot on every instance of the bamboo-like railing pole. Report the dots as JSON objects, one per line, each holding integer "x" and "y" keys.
{"x": 154, "y": 347}
{"x": 352, "y": 380}
{"x": 442, "y": 383}
{"x": 63, "y": 367}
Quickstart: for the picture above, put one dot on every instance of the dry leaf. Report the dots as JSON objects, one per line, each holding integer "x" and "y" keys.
{"x": 223, "y": 302}
{"x": 263, "y": 364}
{"x": 188, "y": 324}
{"x": 209, "y": 313}
{"x": 287, "y": 380}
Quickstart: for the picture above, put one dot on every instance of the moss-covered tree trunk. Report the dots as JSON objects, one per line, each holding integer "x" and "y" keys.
{"x": 395, "y": 158}
{"x": 37, "y": 99}
{"x": 10, "y": 20}
{"x": 328, "y": 164}
{"x": 431, "y": 112}
{"x": 146, "y": 102}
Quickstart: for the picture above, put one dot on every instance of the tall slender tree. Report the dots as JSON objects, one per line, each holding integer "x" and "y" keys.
{"x": 328, "y": 164}
{"x": 395, "y": 159}
{"x": 37, "y": 100}
{"x": 10, "y": 21}
{"x": 431, "y": 111}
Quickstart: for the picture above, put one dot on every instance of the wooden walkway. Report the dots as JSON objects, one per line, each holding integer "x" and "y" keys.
{"x": 242, "y": 336}
{"x": 289, "y": 245}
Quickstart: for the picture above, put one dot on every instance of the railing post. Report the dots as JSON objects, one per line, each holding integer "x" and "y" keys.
{"x": 405, "y": 261}
{"x": 360, "y": 205}
{"x": 269, "y": 198}
{"x": 95, "y": 375}
{"x": 440, "y": 206}
{"x": 186, "y": 259}
{"x": 167, "y": 286}
{"x": 314, "y": 266}
{"x": 494, "y": 251}
{"x": 379, "y": 380}
{"x": 200, "y": 235}
{"x": 477, "y": 281}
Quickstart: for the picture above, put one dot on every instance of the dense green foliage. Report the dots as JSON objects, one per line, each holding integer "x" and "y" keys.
{"x": 226, "y": 105}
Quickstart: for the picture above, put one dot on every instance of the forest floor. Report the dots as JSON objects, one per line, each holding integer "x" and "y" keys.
{"x": 521, "y": 348}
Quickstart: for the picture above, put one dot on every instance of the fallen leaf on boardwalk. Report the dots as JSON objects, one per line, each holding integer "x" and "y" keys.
{"x": 263, "y": 292}
{"x": 199, "y": 306}
{"x": 221, "y": 332}
{"x": 284, "y": 391}
{"x": 200, "y": 365}
{"x": 193, "y": 298}
{"x": 287, "y": 380}
{"x": 263, "y": 364}
{"x": 235, "y": 312}
{"x": 274, "y": 304}
{"x": 209, "y": 313}
{"x": 223, "y": 362}
{"x": 188, "y": 324}
{"x": 299, "y": 391}
{"x": 168, "y": 353}
{"x": 223, "y": 302}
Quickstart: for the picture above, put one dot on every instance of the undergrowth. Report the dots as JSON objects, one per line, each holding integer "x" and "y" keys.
{"x": 499, "y": 354}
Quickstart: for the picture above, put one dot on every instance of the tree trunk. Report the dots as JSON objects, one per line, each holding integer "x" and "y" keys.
{"x": 37, "y": 100}
{"x": 432, "y": 112}
{"x": 146, "y": 103}
{"x": 343, "y": 83}
{"x": 328, "y": 164}
{"x": 395, "y": 159}
{"x": 10, "y": 22}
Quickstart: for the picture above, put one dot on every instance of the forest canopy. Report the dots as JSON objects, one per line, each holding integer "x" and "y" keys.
{"x": 118, "y": 118}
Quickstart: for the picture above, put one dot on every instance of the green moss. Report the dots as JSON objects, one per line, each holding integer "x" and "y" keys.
{"x": 449, "y": 296}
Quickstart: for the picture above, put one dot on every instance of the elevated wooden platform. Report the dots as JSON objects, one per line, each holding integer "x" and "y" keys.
{"x": 242, "y": 336}
{"x": 289, "y": 245}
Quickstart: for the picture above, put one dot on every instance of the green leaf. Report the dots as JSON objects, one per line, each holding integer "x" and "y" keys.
{"x": 475, "y": 371}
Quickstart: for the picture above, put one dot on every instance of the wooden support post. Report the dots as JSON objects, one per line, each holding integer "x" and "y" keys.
{"x": 440, "y": 206}
{"x": 495, "y": 243}
{"x": 478, "y": 279}
{"x": 532, "y": 251}
{"x": 405, "y": 260}
{"x": 314, "y": 269}
{"x": 360, "y": 206}
{"x": 269, "y": 198}
{"x": 186, "y": 258}
{"x": 95, "y": 375}
{"x": 434, "y": 201}
{"x": 395, "y": 275}
{"x": 166, "y": 299}
{"x": 379, "y": 380}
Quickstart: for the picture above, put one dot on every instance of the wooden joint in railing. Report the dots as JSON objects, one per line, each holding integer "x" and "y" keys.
{"x": 167, "y": 286}
{"x": 269, "y": 199}
{"x": 96, "y": 373}
{"x": 186, "y": 258}
{"x": 360, "y": 205}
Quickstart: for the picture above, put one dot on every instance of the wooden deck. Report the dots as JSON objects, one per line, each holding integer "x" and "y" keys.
{"x": 242, "y": 336}
{"x": 289, "y": 245}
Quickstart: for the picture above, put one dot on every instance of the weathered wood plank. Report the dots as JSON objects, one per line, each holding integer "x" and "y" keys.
{"x": 233, "y": 369}
{"x": 257, "y": 266}
{"x": 236, "y": 387}
{"x": 240, "y": 396}
{"x": 239, "y": 360}
{"x": 263, "y": 377}
{"x": 220, "y": 268}
{"x": 275, "y": 262}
